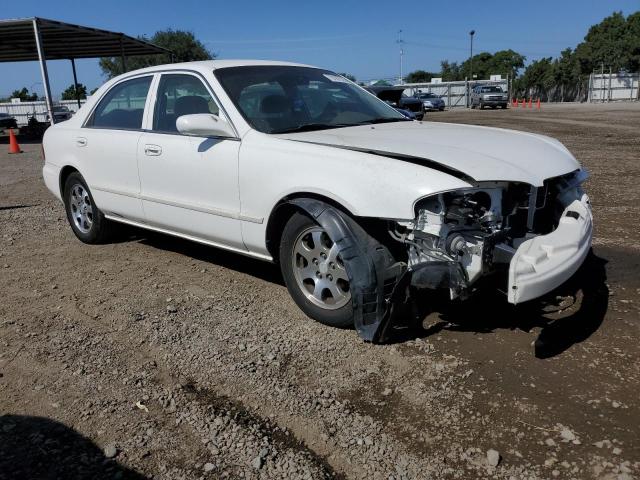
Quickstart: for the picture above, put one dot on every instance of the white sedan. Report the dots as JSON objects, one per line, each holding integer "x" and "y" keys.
{"x": 298, "y": 165}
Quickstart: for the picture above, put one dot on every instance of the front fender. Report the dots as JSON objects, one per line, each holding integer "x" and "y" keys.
{"x": 369, "y": 266}
{"x": 367, "y": 185}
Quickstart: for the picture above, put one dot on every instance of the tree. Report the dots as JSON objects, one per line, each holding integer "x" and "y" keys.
{"x": 70, "y": 92}
{"x": 348, "y": 76}
{"x": 537, "y": 79}
{"x": 566, "y": 72}
{"x": 419, "y": 76}
{"x": 450, "y": 71}
{"x": 184, "y": 46}
{"x": 485, "y": 64}
{"x": 24, "y": 95}
{"x": 614, "y": 43}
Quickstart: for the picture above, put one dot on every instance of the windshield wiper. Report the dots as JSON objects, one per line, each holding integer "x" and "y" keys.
{"x": 385, "y": 120}
{"x": 309, "y": 127}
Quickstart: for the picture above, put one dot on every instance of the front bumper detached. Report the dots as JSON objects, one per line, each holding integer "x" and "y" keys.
{"x": 544, "y": 262}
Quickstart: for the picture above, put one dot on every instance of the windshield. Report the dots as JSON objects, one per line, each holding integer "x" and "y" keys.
{"x": 491, "y": 89}
{"x": 427, "y": 95}
{"x": 281, "y": 99}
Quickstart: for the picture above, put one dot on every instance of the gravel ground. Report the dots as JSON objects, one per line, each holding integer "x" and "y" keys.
{"x": 157, "y": 358}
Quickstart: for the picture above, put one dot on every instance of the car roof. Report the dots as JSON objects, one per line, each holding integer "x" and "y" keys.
{"x": 217, "y": 64}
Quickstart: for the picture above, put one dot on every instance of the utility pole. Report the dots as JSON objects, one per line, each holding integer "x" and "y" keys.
{"x": 401, "y": 43}
{"x": 469, "y": 85}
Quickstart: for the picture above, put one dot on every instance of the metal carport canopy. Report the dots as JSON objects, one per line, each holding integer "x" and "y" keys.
{"x": 29, "y": 39}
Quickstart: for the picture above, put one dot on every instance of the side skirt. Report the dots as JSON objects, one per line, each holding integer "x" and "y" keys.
{"x": 203, "y": 241}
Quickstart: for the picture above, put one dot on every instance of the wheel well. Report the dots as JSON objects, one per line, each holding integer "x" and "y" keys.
{"x": 64, "y": 174}
{"x": 282, "y": 212}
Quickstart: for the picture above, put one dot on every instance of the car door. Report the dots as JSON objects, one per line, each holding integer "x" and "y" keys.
{"x": 189, "y": 184}
{"x": 108, "y": 145}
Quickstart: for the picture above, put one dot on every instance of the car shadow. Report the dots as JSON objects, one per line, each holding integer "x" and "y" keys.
{"x": 267, "y": 271}
{"x": 568, "y": 315}
{"x": 39, "y": 448}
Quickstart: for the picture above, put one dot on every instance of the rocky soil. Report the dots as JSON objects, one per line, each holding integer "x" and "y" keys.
{"x": 156, "y": 358}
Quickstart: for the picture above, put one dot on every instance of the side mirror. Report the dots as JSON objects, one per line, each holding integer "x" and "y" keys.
{"x": 204, "y": 125}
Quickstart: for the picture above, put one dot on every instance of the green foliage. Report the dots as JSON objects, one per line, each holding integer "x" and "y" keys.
{"x": 450, "y": 71}
{"x": 184, "y": 45}
{"x": 419, "y": 76}
{"x": 613, "y": 43}
{"x": 70, "y": 92}
{"x": 504, "y": 62}
{"x": 348, "y": 76}
{"x": 538, "y": 76}
{"x": 24, "y": 95}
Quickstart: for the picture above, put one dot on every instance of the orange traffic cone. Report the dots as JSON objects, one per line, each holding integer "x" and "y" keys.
{"x": 538, "y": 104}
{"x": 13, "y": 143}
{"x": 524, "y": 100}
{"x": 530, "y": 103}
{"x": 514, "y": 102}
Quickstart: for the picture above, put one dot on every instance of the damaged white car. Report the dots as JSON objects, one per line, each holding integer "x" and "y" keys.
{"x": 298, "y": 165}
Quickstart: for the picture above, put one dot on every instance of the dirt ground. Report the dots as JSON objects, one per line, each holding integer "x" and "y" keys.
{"x": 157, "y": 358}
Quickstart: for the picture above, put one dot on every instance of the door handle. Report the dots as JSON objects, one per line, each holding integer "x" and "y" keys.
{"x": 152, "y": 150}
{"x": 81, "y": 142}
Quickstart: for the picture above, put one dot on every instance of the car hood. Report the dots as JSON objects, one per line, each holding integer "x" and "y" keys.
{"x": 481, "y": 153}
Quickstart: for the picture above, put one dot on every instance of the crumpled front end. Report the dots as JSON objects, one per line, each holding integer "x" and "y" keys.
{"x": 540, "y": 235}
{"x": 545, "y": 262}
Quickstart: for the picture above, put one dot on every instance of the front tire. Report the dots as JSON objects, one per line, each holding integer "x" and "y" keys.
{"x": 314, "y": 272}
{"x": 86, "y": 220}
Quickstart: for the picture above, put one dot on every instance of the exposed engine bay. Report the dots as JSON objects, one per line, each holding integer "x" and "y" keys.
{"x": 541, "y": 234}
{"x": 463, "y": 235}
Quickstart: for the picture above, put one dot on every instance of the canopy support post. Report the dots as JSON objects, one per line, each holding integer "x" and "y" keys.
{"x": 43, "y": 69}
{"x": 75, "y": 81}
{"x": 122, "y": 57}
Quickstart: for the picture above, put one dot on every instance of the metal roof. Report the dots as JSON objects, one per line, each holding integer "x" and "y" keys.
{"x": 65, "y": 41}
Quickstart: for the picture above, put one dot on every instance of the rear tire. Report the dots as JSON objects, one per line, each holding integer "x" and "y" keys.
{"x": 314, "y": 273}
{"x": 86, "y": 220}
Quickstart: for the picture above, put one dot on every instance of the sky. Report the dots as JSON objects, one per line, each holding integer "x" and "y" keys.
{"x": 359, "y": 38}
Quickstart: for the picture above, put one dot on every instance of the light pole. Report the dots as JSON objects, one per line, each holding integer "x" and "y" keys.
{"x": 471, "y": 34}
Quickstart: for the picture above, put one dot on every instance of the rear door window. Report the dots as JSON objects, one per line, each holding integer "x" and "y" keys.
{"x": 123, "y": 106}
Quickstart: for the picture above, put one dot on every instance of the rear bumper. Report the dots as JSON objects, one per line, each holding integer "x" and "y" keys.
{"x": 545, "y": 262}
{"x": 51, "y": 176}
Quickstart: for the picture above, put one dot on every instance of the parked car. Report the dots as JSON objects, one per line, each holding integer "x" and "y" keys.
{"x": 430, "y": 101}
{"x": 61, "y": 113}
{"x": 7, "y": 121}
{"x": 488, "y": 96}
{"x": 395, "y": 97}
{"x": 296, "y": 165}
